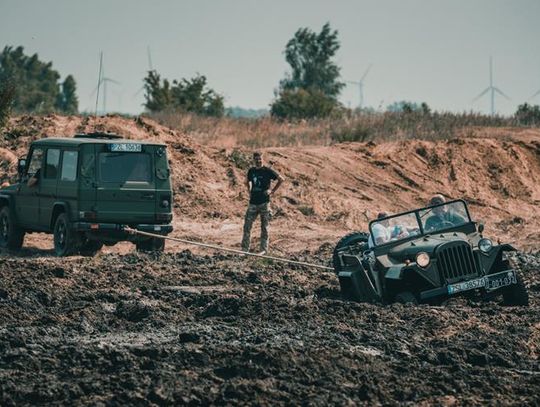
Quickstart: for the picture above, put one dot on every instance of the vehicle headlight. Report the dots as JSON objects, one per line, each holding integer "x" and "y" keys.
{"x": 485, "y": 245}
{"x": 422, "y": 259}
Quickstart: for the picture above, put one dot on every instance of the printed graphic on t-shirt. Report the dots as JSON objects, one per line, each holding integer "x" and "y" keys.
{"x": 260, "y": 179}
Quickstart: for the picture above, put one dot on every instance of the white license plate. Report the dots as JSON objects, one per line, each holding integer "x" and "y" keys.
{"x": 490, "y": 283}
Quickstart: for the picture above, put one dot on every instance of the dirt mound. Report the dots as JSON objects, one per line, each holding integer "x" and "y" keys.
{"x": 186, "y": 329}
{"x": 329, "y": 190}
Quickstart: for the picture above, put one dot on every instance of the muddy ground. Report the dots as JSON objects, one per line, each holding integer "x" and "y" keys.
{"x": 191, "y": 329}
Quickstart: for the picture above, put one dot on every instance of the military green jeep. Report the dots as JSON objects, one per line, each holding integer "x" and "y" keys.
{"x": 85, "y": 190}
{"x": 426, "y": 255}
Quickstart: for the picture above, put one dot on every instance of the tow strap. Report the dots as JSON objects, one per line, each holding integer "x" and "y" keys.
{"x": 225, "y": 249}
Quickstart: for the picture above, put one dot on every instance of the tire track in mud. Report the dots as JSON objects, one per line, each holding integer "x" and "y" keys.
{"x": 185, "y": 329}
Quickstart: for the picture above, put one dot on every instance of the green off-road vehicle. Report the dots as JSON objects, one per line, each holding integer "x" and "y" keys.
{"x": 84, "y": 190}
{"x": 426, "y": 255}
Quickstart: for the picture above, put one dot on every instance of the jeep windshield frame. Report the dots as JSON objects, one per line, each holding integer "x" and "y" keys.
{"x": 411, "y": 225}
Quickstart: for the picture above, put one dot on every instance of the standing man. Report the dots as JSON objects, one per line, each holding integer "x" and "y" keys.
{"x": 258, "y": 182}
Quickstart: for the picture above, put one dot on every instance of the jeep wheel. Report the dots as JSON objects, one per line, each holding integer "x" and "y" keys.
{"x": 153, "y": 244}
{"x": 65, "y": 242}
{"x": 89, "y": 248}
{"x": 406, "y": 297}
{"x": 355, "y": 243}
{"x": 516, "y": 294}
{"x": 11, "y": 236}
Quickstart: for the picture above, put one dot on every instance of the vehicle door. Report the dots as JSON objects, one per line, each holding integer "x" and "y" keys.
{"x": 126, "y": 191}
{"x": 47, "y": 186}
{"x": 67, "y": 189}
{"x": 27, "y": 202}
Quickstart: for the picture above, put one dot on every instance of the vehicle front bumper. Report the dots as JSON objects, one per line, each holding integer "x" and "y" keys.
{"x": 490, "y": 282}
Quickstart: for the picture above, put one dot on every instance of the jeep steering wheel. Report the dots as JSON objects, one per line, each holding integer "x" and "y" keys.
{"x": 446, "y": 224}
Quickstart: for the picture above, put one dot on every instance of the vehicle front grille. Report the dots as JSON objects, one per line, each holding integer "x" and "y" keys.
{"x": 456, "y": 262}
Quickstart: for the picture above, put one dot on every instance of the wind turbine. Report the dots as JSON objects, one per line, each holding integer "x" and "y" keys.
{"x": 491, "y": 89}
{"x": 103, "y": 80}
{"x": 150, "y": 68}
{"x": 360, "y": 84}
{"x": 535, "y": 95}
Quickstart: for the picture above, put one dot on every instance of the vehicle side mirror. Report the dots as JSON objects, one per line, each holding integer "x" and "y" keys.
{"x": 480, "y": 227}
{"x": 21, "y": 166}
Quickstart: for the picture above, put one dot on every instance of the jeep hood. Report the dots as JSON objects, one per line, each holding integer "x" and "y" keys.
{"x": 428, "y": 243}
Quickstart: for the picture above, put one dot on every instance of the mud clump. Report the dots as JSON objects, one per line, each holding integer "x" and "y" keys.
{"x": 185, "y": 329}
{"x": 134, "y": 311}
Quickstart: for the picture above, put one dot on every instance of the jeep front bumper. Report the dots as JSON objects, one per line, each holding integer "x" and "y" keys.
{"x": 490, "y": 282}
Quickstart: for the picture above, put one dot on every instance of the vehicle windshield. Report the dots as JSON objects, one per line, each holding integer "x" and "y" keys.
{"x": 394, "y": 228}
{"x": 444, "y": 216}
{"x": 125, "y": 167}
{"x": 433, "y": 219}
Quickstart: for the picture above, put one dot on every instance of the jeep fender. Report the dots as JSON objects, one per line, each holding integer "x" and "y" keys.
{"x": 58, "y": 208}
{"x": 493, "y": 257}
{"x": 506, "y": 248}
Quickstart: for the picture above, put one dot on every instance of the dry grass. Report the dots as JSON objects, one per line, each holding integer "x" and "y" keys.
{"x": 267, "y": 132}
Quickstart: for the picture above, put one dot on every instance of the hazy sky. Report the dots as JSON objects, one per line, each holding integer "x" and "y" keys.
{"x": 421, "y": 50}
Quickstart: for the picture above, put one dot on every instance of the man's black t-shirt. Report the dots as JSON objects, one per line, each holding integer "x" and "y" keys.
{"x": 260, "y": 179}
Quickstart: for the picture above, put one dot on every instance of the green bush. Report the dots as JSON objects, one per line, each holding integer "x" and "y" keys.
{"x": 528, "y": 115}
{"x": 187, "y": 95}
{"x": 304, "y": 104}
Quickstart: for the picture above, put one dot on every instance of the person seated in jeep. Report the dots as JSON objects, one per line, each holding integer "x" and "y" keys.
{"x": 34, "y": 179}
{"x": 380, "y": 231}
{"x": 442, "y": 216}
{"x": 383, "y": 232}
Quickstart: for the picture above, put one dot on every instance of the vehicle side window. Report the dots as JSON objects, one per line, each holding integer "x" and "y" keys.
{"x": 51, "y": 163}
{"x": 69, "y": 166}
{"x": 35, "y": 162}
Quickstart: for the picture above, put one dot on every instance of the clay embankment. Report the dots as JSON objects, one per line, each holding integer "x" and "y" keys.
{"x": 330, "y": 190}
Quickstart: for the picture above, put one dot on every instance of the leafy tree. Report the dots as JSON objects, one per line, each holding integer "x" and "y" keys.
{"x": 528, "y": 114}
{"x": 7, "y": 96}
{"x": 68, "y": 101}
{"x": 158, "y": 97}
{"x": 37, "y": 87}
{"x": 190, "y": 95}
{"x": 314, "y": 79}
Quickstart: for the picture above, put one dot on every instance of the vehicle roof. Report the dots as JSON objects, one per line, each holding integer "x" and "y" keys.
{"x": 89, "y": 140}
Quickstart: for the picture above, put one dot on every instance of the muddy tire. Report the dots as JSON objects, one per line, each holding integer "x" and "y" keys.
{"x": 90, "y": 248}
{"x": 516, "y": 294}
{"x": 355, "y": 242}
{"x": 406, "y": 297}
{"x": 151, "y": 245}
{"x": 11, "y": 235}
{"x": 65, "y": 239}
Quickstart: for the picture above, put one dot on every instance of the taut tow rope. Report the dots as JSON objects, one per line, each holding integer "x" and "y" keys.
{"x": 225, "y": 249}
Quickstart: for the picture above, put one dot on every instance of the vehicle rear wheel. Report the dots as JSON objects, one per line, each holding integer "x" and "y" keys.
{"x": 153, "y": 244}
{"x": 11, "y": 235}
{"x": 65, "y": 239}
{"x": 516, "y": 294}
{"x": 406, "y": 297}
{"x": 355, "y": 243}
{"x": 89, "y": 248}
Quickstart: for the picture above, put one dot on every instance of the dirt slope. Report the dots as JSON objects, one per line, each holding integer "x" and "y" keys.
{"x": 330, "y": 190}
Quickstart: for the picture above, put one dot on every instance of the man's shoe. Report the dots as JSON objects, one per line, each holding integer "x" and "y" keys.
{"x": 262, "y": 252}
